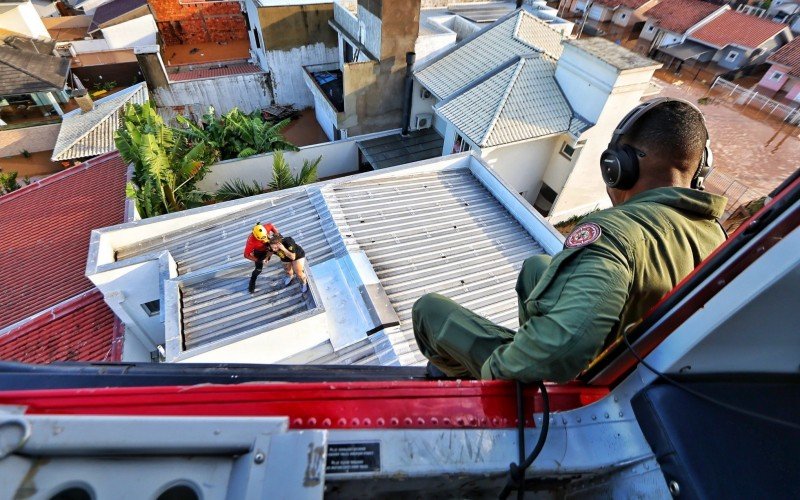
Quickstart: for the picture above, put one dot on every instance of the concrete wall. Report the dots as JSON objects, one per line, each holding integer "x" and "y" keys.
{"x": 67, "y": 22}
{"x": 133, "y": 33}
{"x": 370, "y": 24}
{"x": 522, "y": 165}
{"x": 23, "y": 19}
{"x": 622, "y": 17}
{"x": 600, "y": 13}
{"x": 794, "y": 92}
{"x": 338, "y": 158}
{"x": 246, "y": 92}
{"x": 287, "y": 73}
{"x": 32, "y": 139}
{"x": 420, "y": 104}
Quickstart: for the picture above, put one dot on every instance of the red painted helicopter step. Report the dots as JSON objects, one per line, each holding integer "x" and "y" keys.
{"x": 349, "y": 405}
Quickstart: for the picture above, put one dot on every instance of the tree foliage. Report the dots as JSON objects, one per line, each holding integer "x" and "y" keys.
{"x": 237, "y": 134}
{"x": 167, "y": 164}
{"x": 8, "y": 182}
{"x": 282, "y": 177}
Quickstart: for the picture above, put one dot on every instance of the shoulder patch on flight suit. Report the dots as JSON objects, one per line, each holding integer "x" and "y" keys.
{"x": 583, "y": 235}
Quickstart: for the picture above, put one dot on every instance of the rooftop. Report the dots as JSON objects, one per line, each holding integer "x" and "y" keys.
{"x": 521, "y": 101}
{"x": 516, "y": 34}
{"x": 55, "y": 216}
{"x": 789, "y": 56}
{"x": 361, "y": 235}
{"x": 214, "y": 72}
{"x": 627, "y": 4}
{"x": 392, "y": 150}
{"x": 615, "y": 55}
{"x": 482, "y": 12}
{"x": 25, "y": 72}
{"x": 91, "y": 133}
{"x": 735, "y": 28}
{"x": 79, "y": 329}
{"x": 112, "y": 10}
{"x": 680, "y": 15}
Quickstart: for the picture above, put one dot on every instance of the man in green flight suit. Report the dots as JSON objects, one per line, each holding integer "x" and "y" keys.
{"x": 615, "y": 265}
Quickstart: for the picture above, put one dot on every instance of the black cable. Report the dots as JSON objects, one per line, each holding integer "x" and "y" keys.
{"x": 704, "y": 397}
{"x": 516, "y": 472}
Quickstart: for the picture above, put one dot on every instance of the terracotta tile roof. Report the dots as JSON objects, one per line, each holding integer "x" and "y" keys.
{"x": 680, "y": 15}
{"x": 737, "y": 28}
{"x": 198, "y": 74}
{"x": 80, "y": 329}
{"x": 627, "y": 4}
{"x": 44, "y": 234}
{"x": 789, "y": 56}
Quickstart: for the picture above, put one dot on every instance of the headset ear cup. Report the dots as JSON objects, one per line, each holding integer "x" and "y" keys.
{"x": 629, "y": 166}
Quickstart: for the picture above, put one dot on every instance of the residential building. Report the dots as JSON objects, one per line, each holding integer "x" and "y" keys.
{"x": 620, "y": 12}
{"x": 728, "y": 41}
{"x": 32, "y": 83}
{"x": 537, "y": 108}
{"x": 671, "y": 21}
{"x": 89, "y": 130}
{"x": 49, "y": 310}
{"x": 20, "y": 17}
{"x": 117, "y": 12}
{"x": 782, "y": 79}
{"x": 179, "y": 281}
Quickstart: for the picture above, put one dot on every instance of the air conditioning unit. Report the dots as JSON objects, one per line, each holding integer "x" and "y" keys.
{"x": 425, "y": 93}
{"x": 423, "y": 120}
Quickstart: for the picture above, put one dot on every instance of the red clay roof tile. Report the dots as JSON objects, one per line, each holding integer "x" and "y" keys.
{"x": 198, "y": 74}
{"x": 44, "y": 234}
{"x": 628, "y": 4}
{"x": 80, "y": 329}
{"x": 739, "y": 29}
{"x": 680, "y": 15}
{"x": 789, "y": 56}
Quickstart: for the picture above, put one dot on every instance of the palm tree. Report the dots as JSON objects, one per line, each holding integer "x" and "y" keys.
{"x": 282, "y": 177}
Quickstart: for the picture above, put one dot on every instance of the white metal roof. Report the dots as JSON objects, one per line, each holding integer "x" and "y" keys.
{"x": 92, "y": 133}
{"x": 517, "y": 34}
{"x": 361, "y": 235}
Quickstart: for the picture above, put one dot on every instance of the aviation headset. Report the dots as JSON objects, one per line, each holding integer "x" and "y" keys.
{"x": 619, "y": 163}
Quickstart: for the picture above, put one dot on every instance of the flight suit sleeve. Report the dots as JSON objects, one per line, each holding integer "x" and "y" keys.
{"x": 572, "y": 309}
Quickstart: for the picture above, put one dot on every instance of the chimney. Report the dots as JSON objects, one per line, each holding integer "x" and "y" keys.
{"x": 83, "y": 99}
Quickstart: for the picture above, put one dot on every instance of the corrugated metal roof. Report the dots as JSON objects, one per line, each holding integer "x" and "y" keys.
{"x": 473, "y": 247}
{"x": 24, "y": 72}
{"x": 517, "y": 34}
{"x": 79, "y": 329}
{"x": 44, "y": 230}
{"x": 92, "y": 133}
{"x": 199, "y": 74}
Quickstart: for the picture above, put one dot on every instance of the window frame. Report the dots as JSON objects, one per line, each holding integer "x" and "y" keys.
{"x": 733, "y": 53}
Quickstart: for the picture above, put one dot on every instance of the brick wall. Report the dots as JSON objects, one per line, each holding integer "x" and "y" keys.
{"x": 197, "y": 23}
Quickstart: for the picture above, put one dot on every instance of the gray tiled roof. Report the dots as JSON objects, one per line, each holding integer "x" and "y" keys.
{"x": 517, "y": 34}
{"x": 23, "y": 72}
{"x": 615, "y": 55}
{"x": 520, "y": 102}
{"x": 393, "y": 150}
{"x": 92, "y": 133}
{"x": 473, "y": 247}
{"x": 112, "y": 10}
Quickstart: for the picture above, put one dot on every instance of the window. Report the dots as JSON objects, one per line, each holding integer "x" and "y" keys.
{"x": 460, "y": 145}
{"x": 567, "y": 151}
{"x": 349, "y": 53}
{"x": 257, "y": 38}
{"x": 544, "y": 202}
{"x": 651, "y": 28}
{"x": 152, "y": 308}
{"x": 776, "y": 75}
{"x": 732, "y": 56}
{"x": 623, "y": 16}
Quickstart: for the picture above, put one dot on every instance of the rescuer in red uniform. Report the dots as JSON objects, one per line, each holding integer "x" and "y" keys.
{"x": 257, "y": 249}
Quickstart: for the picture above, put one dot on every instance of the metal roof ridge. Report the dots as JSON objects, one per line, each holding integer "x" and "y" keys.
{"x": 124, "y": 96}
{"x": 57, "y": 176}
{"x": 520, "y": 63}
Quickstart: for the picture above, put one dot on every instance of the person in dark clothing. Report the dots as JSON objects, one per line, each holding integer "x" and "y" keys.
{"x": 293, "y": 257}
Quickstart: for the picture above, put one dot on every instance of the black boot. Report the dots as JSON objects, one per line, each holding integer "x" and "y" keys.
{"x": 252, "y": 286}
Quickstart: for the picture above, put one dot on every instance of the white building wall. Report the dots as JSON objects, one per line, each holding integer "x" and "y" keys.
{"x": 134, "y": 33}
{"x": 326, "y": 116}
{"x": 622, "y": 17}
{"x": 522, "y": 165}
{"x": 427, "y": 45}
{"x": 23, "y": 19}
{"x": 599, "y": 13}
{"x": 419, "y": 104}
{"x": 246, "y": 92}
{"x": 286, "y": 72}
